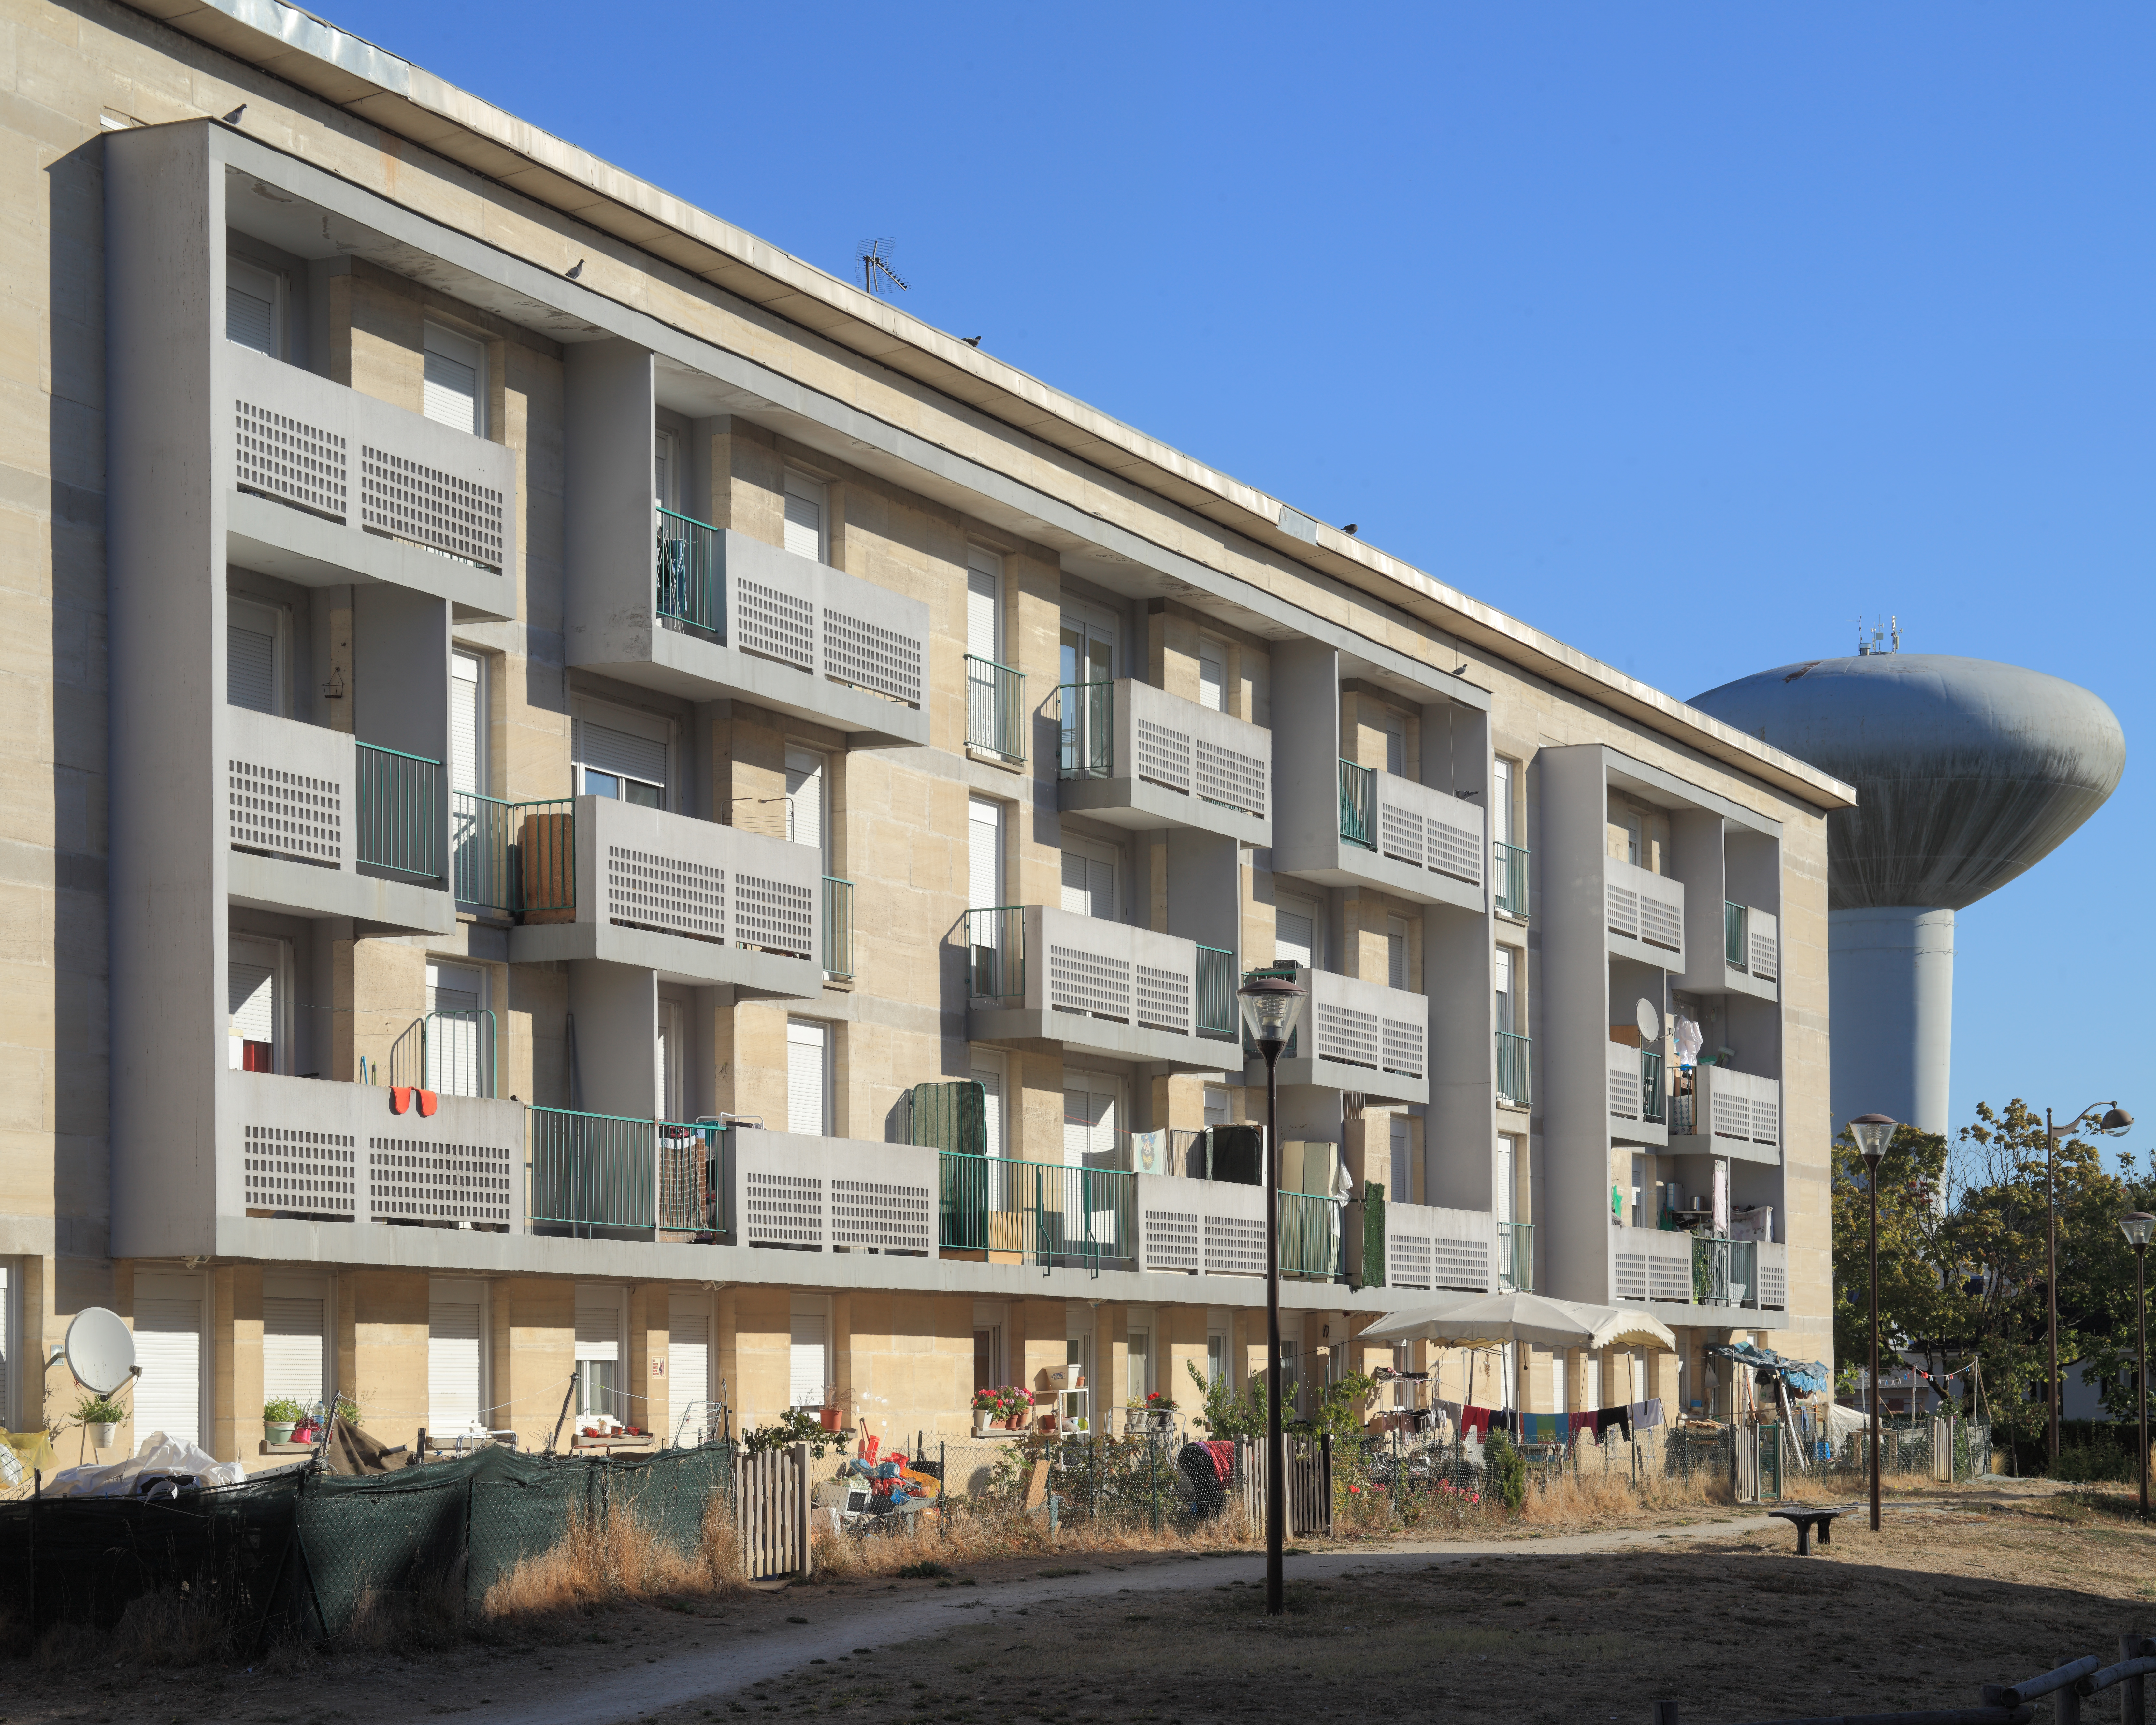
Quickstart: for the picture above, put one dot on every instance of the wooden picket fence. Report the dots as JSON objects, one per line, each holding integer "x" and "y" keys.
{"x": 1309, "y": 1483}
{"x": 770, "y": 1508}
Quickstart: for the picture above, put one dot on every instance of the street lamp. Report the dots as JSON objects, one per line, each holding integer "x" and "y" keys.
{"x": 1272, "y": 1005}
{"x": 2136, "y": 1226}
{"x": 1872, "y": 1133}
{"x": 2114, "y": 1121}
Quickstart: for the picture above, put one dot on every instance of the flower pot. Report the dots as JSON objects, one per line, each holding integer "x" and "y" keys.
{"x": 1163, "y": 1418}
{"x": 102, "y": 1433}
{"x": 829, "y": 1416}
{"x": 279, "y": 1430}
{"x": 1014, "y": 1422}
{"x": 1134, "y": 1421}
{"x": 984, "y": 1420}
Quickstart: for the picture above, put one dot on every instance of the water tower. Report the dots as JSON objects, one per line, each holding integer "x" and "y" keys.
{"x": 1967, "y": 773}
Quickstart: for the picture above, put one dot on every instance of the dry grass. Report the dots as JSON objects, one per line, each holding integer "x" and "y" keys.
{"x": 617, "y": 1559}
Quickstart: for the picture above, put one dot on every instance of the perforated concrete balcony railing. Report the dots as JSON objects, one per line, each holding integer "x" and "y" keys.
{"x": 1729, "y": 1113}
{"x": 1752, "y": 941}
{"x": 1038, "y": 975}
{"x": 1654, "y": 1266}
{"x": 1428, "y": 832}
{"x": 338, "y": 1153}
{"x": 334, "y": 486}
{"x": 1356, "y": 1035}
{"x": 1641, "y": 905}
{"x": 1135, "y": 755}
{"x": 1428, "y": 1246}
{"x": 694, "y": 901}
{"x": 1218, "y": 1228}
{"x": 1639, "y": 1109}
{"x": 322, "y": 825}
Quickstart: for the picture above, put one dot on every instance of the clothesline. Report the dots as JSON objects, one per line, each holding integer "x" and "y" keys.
{"x": 1553, "y": 1428}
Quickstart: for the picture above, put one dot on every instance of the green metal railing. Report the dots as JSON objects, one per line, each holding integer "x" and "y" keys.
{"x": 519, "y": 859}
{"x": 1724, "y": 1272}
{"x": 1512, "y": 1075}
{"x": 1654, "y": 1105}
{"x": 1044, "y": 1212}
{"x": 995, "y": 708}
{"x": 1358, "y": 804}
{"x": 690, "y": 1158}
{"x": 1509, "y": 877}
{"x": 400, "y": 812}
{"x": 1218, "y": 1014}
{"x": 591, "y": 1170}
{"x": 1516, "y": 1255}
{"x": 456, "y": 1053}
{"x": 1088, "y": 713}
{"x": 995, "y": 952}
{"x": 691, "y": 572}
{"x": 1736, "y": 935}
{"x": 837, "y": 928}
{"x": 1311, "y": 1244}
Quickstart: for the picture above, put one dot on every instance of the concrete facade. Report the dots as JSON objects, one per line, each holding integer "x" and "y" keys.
{"x": 228, "y": 946}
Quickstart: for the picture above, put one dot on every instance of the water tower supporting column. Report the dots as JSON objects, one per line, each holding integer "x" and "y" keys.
{"x": 1889, "y": 978}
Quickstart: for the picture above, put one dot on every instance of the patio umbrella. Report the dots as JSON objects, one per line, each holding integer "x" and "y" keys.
{"x": 1489, "y": 1321}
{"x": 1626, "y": 1327}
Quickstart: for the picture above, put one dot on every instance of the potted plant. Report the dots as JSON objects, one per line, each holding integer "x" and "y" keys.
{"x": 1160, "y": 1409}
{"x": 1016, "y": 1404}
{"x": 1136, "y": 1419}
{"x": 102, "y": 1416}
{"x": 279, "y": 1416}
{"x": 987, "y": 1410}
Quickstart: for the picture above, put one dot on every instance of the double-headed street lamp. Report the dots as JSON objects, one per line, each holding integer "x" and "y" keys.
{"x": 2114, "y": 1121}
{"x": 1873, "y": 1133}
{"x": 1272, "y": 1005}
{"x": 2136, "y": 1226}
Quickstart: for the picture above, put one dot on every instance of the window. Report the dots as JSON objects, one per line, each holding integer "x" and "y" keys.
{"x": 1591, "y": 1389}
{"x": 1140, "y": 1348}
{"x": 455, "y": 392}
{"x": 1632, "y": 834}
{"x": 1501, "y": 801}
{"x": 599, "y": 1383}
{"x": 805, "y": 805}
{"x": 254, "y": 307}
{"x": 456, "y": 1355}
{"x": 459, "y": 1051}
{"x": 1502, "y": 1187}
{"x": 808, "y": 1077}
{"x": 984, "y": 604}
{"x": 254, "y": 1005}
{"x": 1089, "y": 878}
{"x": 670, "y": 1102}
{"x": 984, "y": 856}
{"x": 665, "y": 470}
{"x": 1507, "y": 1017}
{"x": 989, "y": 1073}
{"x": 1088, "y": 645}
{"x": 168, "y": 1348}
{"x": 1402, "y": 1189}
{"x": 1638, "y": 1215}
{"x": 622, "y": 754}
{"x": 11, "y": 1285}
{"x": 1560, "y": 1361}
{"x": 468, "y": 726}
{"x": 688, "y": 1367}
{"x": 1294, "y": 931}
{"x": 1396, "y": 951}
{"x": 1212, "y": 675}
{"x": 808, "y": 1372}
{"x": 1216, "y": 1105}
{"x": 1396, "y": 743}
{"x": 1216, "y": 1356}
{"x": 804, "y": 516}
{"x": 253, "y": 656}
{"x": 989, "y": 1321}
{"x": 294, "y": 1341}
{"x": 1091, "y": 1118}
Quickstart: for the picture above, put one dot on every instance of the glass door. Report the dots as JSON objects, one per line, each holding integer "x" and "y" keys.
{"x": 1087, "y": 674}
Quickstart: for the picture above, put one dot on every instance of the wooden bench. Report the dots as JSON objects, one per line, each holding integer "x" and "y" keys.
{"x": 1805, "y": 1520}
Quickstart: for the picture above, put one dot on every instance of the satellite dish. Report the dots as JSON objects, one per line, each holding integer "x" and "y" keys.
{"x": 100, "y": 1350}
{"x": 1649, "y": 1020}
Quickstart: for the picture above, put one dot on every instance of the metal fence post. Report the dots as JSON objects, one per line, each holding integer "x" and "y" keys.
{"x": 943, "y": 1494}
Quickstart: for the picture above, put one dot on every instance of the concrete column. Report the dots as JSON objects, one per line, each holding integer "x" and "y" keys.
{"x": 1889, "y": 981}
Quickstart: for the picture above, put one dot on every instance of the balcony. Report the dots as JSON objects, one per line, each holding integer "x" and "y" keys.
{"x": 1041, "y": 978}
{"x": 1512, "y": 1074}
{"x": 1044, "y": 1214}
{"x": 1644, "y": 914}
{"x": 336, "y": 1152}
{"x": 1218, "y": 1228}
{"x": 1430, "y": 1247}
{"x": 1135, "y": 755}
{"x": 1638, "y": 1110}
{"x": 995, "y": 709}
{"x": 322, "y": 825}
{"x": 1727, "y": 1113}
{"x": 792, "y": 1192}
{"x": 1516, "y": 1257}
{"x": 1356, "y": 1036}
{"x": 838, "y": 930}
{"x": 1752, "y": 942}
{"x": 1654, "y": 1267}
{"x": 1508, "y": 879}
{"x": 614, "y": 1176}
{"x": 590, "y": 877}
{"x": 1400, "y": 837}
{"x": 332, "y": 487}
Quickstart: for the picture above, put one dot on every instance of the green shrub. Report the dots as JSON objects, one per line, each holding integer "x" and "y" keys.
{"x": 1506, "y": 1468}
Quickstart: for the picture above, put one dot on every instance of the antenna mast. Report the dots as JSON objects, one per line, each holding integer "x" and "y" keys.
{"x": 875, "y": 256}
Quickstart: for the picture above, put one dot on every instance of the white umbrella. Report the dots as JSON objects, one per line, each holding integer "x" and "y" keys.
{"x": 1488, "y": 1321}
{"x": 1627, "y": 1326}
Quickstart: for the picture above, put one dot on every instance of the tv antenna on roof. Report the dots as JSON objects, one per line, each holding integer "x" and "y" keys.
{"x": 1880, "y": 640}
{"x": 875, "y": 260}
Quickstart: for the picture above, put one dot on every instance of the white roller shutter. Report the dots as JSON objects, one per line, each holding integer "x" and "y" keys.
{"x": 804, "y": 515}
{"x": 1295, "y": 932}
{"x": 1400, "y": 1191}
{"x": 453, "y": 1366}
{"x": 292, "y": 1350}
{"x": 991, "y": 1081}
{"x": 808, "y": 1362}
{"x": 168, "y": 1348}
{"x": 467, "y": 724}
{"x": 250, "y": 306}
{"x": 251, "y": 1000}
{"x": 250, "y": 660}
{"x": 609, "y": 750}
{"x": 455, "y": 370}
{"x": 1212, "y": 675}
{"x": 808, "y": 1077}
{"x": 984, "y": 602}
{"x": 1396, "y": 951}
{"x": 805, "y": 799}
{"x": 984, "y": 855}
{"x": 1089, "y": 880}
{"x": 688, "y": 1370}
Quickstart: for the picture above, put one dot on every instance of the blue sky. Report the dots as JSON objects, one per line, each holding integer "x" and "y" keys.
{"x": 1684, "y": 332}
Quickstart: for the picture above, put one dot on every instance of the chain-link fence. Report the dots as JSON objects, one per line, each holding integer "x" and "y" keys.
{"x": 299, "y": 1550}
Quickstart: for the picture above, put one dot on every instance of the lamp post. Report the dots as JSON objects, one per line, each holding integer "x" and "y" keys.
{"x": 1271, "y": 1007}
{"x": 1872, "y": 1133}
{"x": 2136, "y": 1226}
{"x": 2114, "y": 1121}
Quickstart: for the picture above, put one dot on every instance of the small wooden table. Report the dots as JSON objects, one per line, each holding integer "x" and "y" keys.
{"x": 1805, "y": 1520}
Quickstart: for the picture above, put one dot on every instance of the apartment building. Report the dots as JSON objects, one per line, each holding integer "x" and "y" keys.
{"x": 602, "y": 823}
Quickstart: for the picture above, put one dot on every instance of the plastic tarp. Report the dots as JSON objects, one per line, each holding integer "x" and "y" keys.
{"x": 1804, "y": 1377}
{"x": 162, "y": 1463}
